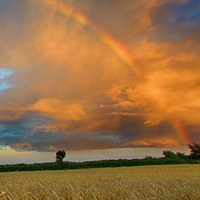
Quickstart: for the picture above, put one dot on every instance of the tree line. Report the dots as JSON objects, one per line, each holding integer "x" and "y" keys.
{"x": 194, "y": 154}
{"x": 169, "y": 157}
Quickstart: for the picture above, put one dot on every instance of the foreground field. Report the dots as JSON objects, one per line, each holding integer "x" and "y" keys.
{"x": 131, "y": 183}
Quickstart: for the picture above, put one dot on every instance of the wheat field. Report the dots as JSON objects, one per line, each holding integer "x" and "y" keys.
{"x": 174, "y": 182}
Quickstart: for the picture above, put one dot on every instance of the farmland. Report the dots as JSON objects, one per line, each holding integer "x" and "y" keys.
{"x": 165, "y": 182}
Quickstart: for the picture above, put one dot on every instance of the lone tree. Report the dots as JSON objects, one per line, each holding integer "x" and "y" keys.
{"x": 60, "y": 155}
{"x": 194, "y": 151}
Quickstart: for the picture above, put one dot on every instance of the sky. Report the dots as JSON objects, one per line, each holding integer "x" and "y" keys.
{"x": 98, "y": 76}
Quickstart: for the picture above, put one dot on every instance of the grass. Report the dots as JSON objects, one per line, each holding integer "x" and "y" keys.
{"x": 171, "y": 182}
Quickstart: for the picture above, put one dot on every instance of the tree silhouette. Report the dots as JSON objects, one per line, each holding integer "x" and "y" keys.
{"x": 194, "y": 151}
{"x": 60, "y": 155}
{"x": 181, "y": 155}
{"x": 169, "y": 154}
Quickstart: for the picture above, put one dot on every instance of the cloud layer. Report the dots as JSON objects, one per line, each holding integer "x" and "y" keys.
{"x": 62, "y": 85}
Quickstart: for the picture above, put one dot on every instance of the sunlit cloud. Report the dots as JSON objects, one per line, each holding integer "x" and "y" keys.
{"x": 5, "y": 148}
{"x": 91, "y": 75}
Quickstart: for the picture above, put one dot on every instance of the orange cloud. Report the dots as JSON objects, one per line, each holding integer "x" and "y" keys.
{"x": 156, "y": 142}
{"x": 59, "y": 109}
{"x": 21, "y": 145}
{"x": 68, "y": 80}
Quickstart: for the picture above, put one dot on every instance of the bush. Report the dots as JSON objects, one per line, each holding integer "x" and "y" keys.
{"x": 181, "y": 155}
{"x": 170, "y": 154}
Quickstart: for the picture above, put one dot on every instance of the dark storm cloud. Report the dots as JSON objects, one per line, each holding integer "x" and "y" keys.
{"x": 178, "y": 22}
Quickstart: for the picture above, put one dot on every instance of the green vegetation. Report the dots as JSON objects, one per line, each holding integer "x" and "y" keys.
{"x": 169, "y": 157}
{"x": 97, "y": 164}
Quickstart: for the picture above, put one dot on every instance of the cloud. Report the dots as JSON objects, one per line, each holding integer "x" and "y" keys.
{"x": 156, "y": 143}
{"x": 4, "y": 148}
{"x": 66, "y": 87}
{"x": 21, "y": 145}
{"x": 59, "y": 109}
{"x": 178, "y": 21}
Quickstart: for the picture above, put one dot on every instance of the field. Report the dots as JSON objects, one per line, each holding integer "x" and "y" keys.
{"x": 173, "y": 182}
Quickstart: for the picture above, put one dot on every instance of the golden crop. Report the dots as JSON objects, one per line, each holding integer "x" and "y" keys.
{"x": 174, "y": 182}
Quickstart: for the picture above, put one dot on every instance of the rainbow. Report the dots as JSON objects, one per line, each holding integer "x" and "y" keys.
{"x": 181, "y": 131}
{"x": 118, "y": 48}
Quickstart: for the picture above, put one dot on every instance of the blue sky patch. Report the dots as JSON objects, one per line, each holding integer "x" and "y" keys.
{"x": 4, "y": 75}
